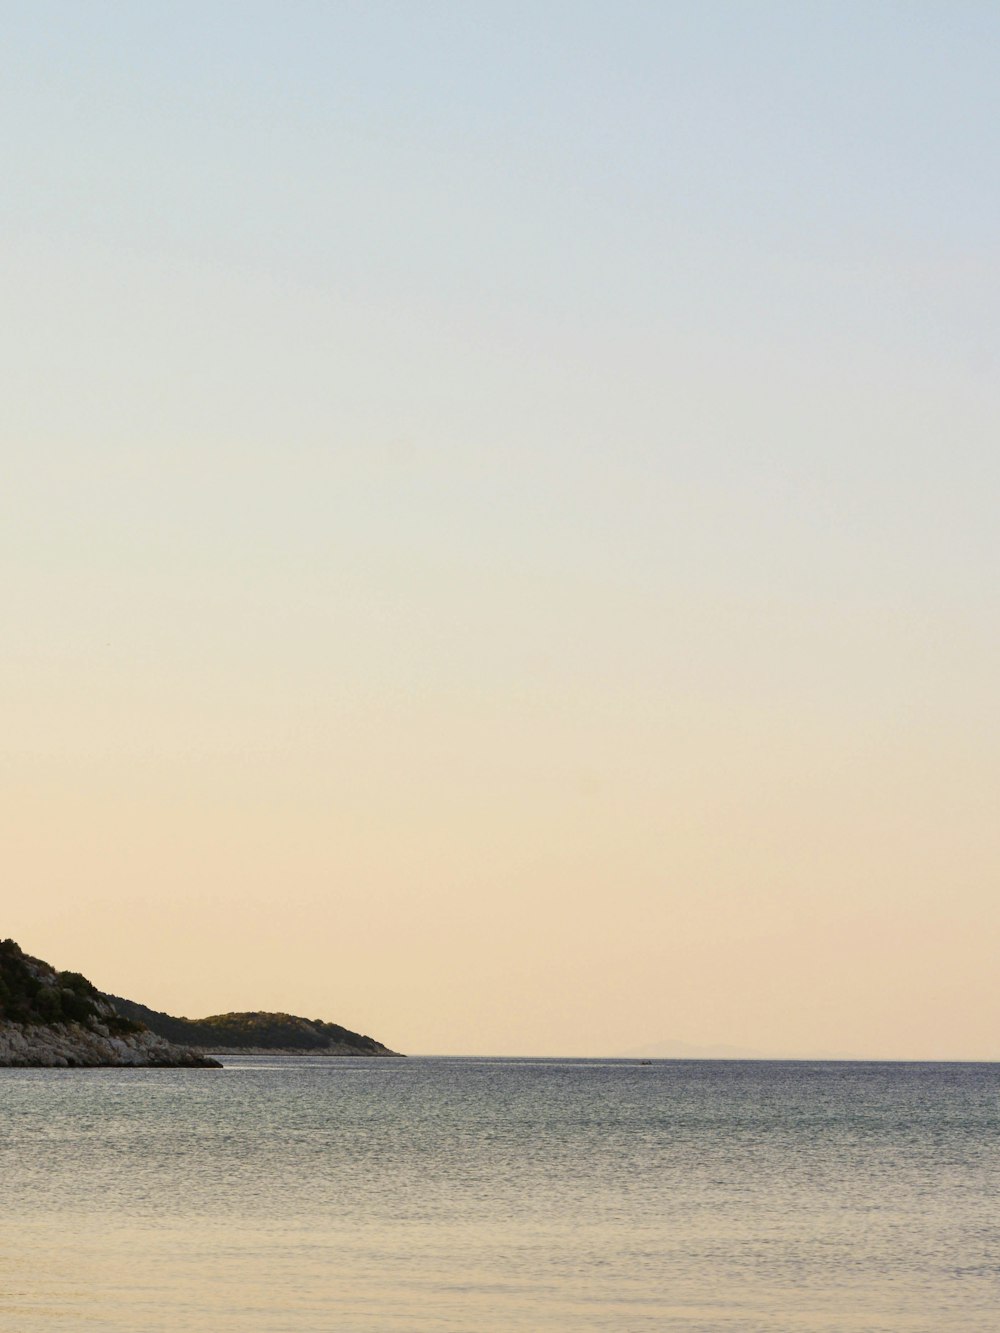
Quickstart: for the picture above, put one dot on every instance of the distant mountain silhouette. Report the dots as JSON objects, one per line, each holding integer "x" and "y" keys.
{"x": 684, "y": 1050}
{"x": 252, "y": 1032}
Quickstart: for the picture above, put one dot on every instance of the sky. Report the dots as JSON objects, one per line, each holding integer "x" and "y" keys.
{"x": 498, "y": 530}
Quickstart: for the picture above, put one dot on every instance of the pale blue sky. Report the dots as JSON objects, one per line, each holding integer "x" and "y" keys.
{"x": 534, "y": 454}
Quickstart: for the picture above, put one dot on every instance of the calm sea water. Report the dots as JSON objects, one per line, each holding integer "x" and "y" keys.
{"x": 303, "y": 1195}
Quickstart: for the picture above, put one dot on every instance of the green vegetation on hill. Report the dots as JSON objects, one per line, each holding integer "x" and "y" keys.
{"x": 35, "y": 994}
{"x": 260, "y": 1031}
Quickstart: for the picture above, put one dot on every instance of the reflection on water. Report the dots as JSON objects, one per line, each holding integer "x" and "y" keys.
{"x": 301, "y": 1195}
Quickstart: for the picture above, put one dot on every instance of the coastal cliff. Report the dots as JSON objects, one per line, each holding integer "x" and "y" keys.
{"x": 53, "y": 1019}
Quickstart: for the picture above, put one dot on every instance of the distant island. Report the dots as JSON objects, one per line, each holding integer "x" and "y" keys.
{"x": 253, "y": 1033}
{"x": 61, "y": 1020}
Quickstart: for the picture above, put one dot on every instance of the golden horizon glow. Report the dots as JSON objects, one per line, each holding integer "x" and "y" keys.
{"x": 499, "y": 534}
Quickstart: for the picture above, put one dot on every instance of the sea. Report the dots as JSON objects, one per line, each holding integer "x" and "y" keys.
{"x": 300, "y": 1195}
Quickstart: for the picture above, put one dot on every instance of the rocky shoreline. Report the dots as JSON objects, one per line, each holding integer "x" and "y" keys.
{"x": 322, "y": 1052}
{"x": 71, "y": 1045}
{"x": 59, "y": 1020}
